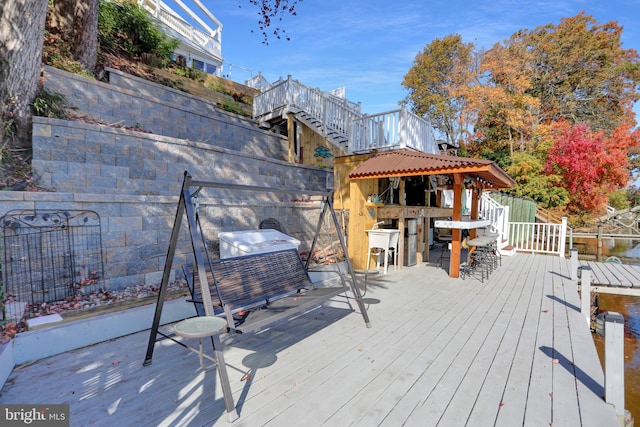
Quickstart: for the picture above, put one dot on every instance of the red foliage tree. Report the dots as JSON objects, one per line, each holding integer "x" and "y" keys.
{"x": 591, "y": 164}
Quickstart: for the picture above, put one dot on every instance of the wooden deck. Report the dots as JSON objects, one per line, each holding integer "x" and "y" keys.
{"x": 513, "y": 350}
{"x": 610, "y": 277}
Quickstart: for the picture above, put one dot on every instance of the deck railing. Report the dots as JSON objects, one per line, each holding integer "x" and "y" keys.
{"x": 393, "y": 129}
{"x": 537, "y": 237}
{"x": 210, "y": 41}
{"x": 534, "y": 237}
{"x": 258, "y": 82}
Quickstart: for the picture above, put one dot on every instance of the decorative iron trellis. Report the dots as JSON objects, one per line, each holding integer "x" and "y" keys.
{"x": 50, "y": 255}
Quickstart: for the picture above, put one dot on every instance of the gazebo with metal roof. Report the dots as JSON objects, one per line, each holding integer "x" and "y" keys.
{"x": 463, "y": 172}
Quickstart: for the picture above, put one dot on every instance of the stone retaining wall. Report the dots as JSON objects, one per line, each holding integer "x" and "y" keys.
{"x": 76, "y": 157}
{"x": 161, "y": 110}
{"x": 133, "y": 180}
{"x": 136, "y": 230}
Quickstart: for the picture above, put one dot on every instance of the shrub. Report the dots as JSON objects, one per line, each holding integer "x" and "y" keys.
{"x": 50, "y": 104}
{"x": 125, "y": 27}
{"x": 231, "y": 106}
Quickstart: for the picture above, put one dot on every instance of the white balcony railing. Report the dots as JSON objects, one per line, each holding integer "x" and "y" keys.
{"x": 393, "y": 129}
{"x": 210, "y": 41}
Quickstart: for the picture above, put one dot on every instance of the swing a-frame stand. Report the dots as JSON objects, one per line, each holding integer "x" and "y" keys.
{"x": 211, "y": 274}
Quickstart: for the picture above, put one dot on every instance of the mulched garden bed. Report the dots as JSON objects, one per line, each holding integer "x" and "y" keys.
{"x": 91, "y": 304}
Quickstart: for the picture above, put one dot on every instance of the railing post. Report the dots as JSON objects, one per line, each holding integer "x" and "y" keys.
{"x": 289, "y": 90}
{"x": 610, "y": 325}
{"x": 563, "y": 236}
{"x": 571, "y": 238}
{"x": 402, "y": 137}
{"x": 599, "y": 244}
{"x": 585, "y": 293}
{"x": 504, "y": 223}
{"x": 574, "y": 264}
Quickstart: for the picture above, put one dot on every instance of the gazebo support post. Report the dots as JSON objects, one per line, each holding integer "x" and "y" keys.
{"x": 454, "y": 262}
{"x": 475, "y": 203}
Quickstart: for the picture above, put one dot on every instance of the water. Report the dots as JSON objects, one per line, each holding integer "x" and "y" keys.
{"x": 629, "y": 307}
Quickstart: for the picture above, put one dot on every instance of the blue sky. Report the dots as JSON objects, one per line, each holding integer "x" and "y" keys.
{"x": 368, "y": 46}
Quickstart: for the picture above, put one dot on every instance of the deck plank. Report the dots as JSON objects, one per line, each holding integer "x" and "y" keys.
{"x": 586, "y": 365}
{"x": 633, "y": 272}
{"x": 440, "y": 351}
{"x": 478, "y": 380}
{"x": 517, "y": 398}
{"x": 497, "y": 400}
{"x": 566, "y": 410}
{"x": 629, "y": 277}
{"x": 436, "y": 360}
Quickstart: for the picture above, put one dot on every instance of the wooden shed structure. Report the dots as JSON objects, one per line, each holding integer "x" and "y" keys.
{"x": 398, "y": 185}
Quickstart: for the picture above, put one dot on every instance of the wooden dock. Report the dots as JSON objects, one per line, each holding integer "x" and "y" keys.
{"x": 614, "y": 278}
{"x": 513, "y": 350}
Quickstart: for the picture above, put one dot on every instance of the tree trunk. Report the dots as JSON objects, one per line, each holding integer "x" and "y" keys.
{"x": 60, "y": 18}
{"x": 85, "y": 33}
{"x": 21, "y": 38}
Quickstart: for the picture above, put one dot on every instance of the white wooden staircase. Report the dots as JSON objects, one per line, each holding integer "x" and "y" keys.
{"x": 499, "y": 217}
{"x": 335, "y": 136}
{"x": 341, "y": 121}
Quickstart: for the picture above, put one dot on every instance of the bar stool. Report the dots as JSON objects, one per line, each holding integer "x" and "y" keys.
{"x": 200, "y": 327}
{"x": 445, "y": 254}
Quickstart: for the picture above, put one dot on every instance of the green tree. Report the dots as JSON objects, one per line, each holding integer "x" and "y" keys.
{"x": 128, "y": 30}
{"x": 619, "y": 199}
{"x": 576, "y": 70}
{"x": 438, "y": 73}
{"x": 581, "y": 72}
{"x": 555, "y": 77}
{"x": 532, "y": 182}
{"x": 507, "y": 114}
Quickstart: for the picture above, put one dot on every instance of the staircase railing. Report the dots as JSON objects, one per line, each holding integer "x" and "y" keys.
{"x": 498, "y": 215}
{"x": 210, "y": 42}
{"x": 393, "y": 129}
{"x": 547, "y": 215}
{"x": 258, "y": 82}
{"x": 292, "y": 96}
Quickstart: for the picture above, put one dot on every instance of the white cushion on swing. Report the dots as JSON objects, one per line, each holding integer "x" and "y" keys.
{"x": 239, "y": 243}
